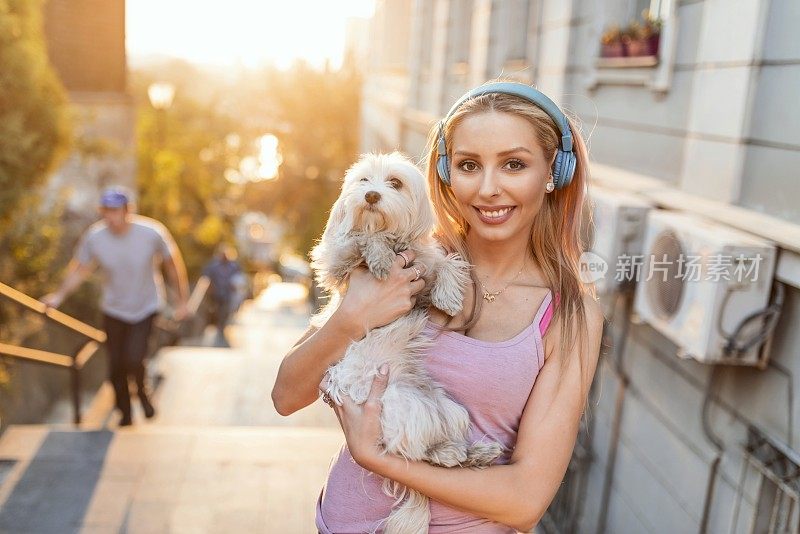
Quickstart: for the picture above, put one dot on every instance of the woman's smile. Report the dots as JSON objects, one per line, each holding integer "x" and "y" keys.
{"x": 494, "y": 214}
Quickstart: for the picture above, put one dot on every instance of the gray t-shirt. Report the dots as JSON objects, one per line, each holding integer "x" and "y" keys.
{"x": 132, "y": 287}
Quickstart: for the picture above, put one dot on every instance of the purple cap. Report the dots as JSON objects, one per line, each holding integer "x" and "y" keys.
{"x": 114, "y": 197}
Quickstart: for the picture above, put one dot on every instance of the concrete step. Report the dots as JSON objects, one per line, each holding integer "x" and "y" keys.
{"x": 158, "y": 478}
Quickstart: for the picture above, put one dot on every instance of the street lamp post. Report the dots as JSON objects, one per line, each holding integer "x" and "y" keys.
{"x": 161, "y": 95}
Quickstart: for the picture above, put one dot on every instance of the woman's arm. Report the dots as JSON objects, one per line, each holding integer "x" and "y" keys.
{"x": 368, "y": 303}
{"x": 516, "y": 494}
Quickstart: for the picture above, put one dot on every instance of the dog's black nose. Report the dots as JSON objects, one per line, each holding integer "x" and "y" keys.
{"x": 372, "y": 197}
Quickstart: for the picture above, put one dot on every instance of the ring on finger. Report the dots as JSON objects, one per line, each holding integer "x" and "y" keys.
{"x": 417, "y": 272}
{"x": 405, "y": 259}
{"x": 327, "y": 399}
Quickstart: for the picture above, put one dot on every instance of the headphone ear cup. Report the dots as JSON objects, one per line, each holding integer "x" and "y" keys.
{"x": 443, "y": 169}
{"x": 570, "y": 163}
{"x": 563, "y": 168}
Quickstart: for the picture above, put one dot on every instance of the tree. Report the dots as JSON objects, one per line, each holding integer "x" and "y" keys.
{"x": 181, "y": 162}
{"x": 316, "y": 115}
{"x": 33, "y": 112}
{"x": 34, "y": 133}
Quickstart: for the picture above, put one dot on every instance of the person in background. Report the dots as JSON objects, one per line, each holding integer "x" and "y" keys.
{"x": 127, "y": 248}
{"x": 226, "y": 277}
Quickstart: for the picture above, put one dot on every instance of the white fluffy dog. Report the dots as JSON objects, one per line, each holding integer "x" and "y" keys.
{"x": 384, "y": 209}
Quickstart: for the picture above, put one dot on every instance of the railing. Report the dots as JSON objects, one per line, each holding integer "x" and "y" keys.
{"x": 76, "y": 362}
{"x": 73, "y": 363}
{"x": 173, "y": 329}
{"x": 563, "y": 514}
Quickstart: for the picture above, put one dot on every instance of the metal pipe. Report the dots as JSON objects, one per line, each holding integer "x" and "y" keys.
{"x": 718, "y": 445}
{"x": 76, "y": 395}
{"x": 619, "y": 371}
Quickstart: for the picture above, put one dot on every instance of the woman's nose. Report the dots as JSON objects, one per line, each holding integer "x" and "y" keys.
{"x": 489, "y": 183}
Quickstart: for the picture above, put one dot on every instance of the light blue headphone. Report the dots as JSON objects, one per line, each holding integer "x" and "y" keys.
{"x": 564, "y": 164}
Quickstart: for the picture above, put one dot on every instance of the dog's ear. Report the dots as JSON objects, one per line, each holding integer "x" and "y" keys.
{"x": 339, "y": 222}
{"x": 424, "y": 219}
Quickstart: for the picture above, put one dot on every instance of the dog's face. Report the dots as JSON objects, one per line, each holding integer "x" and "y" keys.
{"x": 383, "y": 192}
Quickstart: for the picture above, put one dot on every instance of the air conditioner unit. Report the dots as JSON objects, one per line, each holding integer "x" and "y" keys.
{"x": 616, "y": 236}
{"x": 698, "y": 284}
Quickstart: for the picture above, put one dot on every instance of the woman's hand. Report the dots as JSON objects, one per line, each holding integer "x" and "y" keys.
{"x": 362, "y": 424}
{"x": 370, "y": 303}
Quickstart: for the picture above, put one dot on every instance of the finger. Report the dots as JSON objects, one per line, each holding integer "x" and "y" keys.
{"x": 399, "y": 262}
{"x": 404, "y": 259}
{"x": 324, "y": 385}
{"x": 417, "y": 286}
{"x": 410, "y": 255}
{"x": 415, "y": 272}
{"x": 337, "y": 410}
{"x": 379, "y": 383}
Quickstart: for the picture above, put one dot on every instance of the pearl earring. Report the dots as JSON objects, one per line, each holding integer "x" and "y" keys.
{"x": 550, "y": 186}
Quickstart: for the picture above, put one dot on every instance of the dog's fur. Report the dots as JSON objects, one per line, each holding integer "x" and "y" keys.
{"x": 419, "y": 421}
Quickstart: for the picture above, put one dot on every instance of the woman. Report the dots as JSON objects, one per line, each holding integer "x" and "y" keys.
{"x": 504, "y": 200}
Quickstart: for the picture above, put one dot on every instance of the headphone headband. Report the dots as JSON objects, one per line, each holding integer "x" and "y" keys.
{"x": 530, "y": 94}
{"x": 563, "y": 167}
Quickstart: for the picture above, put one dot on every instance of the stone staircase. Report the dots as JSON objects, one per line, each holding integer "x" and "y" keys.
{"x": 216, "y": 458}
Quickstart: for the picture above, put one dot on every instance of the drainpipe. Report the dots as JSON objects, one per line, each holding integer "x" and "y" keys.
{"x": 719, "y": 446}
{"x": 623, "y": 381}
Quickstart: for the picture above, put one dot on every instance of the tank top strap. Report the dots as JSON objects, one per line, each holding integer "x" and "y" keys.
{"x": 547, "y": 316}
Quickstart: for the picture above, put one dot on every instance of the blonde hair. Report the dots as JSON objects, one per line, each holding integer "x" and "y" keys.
{"x": 555, "y": 240}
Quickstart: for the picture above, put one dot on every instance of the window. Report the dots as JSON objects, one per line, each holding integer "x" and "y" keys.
{"x": 461, "y": 30}
{"x": 777, "y": 507}
{"x": 639, "y": 53}
{"x": 517, "y": 20}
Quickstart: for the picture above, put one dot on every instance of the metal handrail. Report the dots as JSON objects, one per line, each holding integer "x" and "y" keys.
{"x": 171, "y": 326}
{"x": 77, "y": 361}
{"x": 74, "y": 363}
{"x": 51, "y": 313}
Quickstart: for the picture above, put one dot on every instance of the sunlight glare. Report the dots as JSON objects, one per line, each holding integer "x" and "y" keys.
{"x": 242, "y": 32}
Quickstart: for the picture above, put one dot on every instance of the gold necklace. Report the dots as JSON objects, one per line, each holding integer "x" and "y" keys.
{"x": 489, "y": 296}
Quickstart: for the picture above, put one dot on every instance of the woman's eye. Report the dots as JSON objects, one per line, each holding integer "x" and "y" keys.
{"x": 468, "y": 166}
{"x": 395, "y": 183}
{"x": 515, "y": 165}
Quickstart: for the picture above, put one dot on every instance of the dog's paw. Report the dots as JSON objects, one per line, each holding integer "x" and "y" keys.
{"x": 449, "y": 302}
{"x": 379, "y": 260}
{"x": 452, "y": 278}
{"x": 447, "y": 454}
{"x": 483, "y": 454}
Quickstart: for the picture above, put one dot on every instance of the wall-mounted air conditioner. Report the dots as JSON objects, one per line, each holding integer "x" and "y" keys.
{"x": 616, "y": 236}
{"x": 707, "y": 287}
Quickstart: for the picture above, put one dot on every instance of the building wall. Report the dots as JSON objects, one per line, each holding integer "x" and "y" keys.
{"x": 86, "y": 46}
{"x": 86, "y": 43}
{"x": 717, "y": 119}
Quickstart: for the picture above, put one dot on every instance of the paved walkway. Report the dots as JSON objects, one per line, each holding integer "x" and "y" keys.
{"x": 216, "y": 458}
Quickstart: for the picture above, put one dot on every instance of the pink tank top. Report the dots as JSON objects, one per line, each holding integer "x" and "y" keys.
{"x": 493, "y": 381}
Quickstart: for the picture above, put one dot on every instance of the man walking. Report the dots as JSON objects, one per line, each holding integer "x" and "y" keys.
{"x": 127, "y": 248}
{"x": 225, "y": 275}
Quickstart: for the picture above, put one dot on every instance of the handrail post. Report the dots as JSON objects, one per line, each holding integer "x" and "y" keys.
{"x": 76, "y": 393}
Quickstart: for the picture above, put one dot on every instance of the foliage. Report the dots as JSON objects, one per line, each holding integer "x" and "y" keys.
{"x": 33, "y": 135}
{"x": 612, "y": 35}
{"x": 212, "y": 127}
{"x": 317, "y": 116}
{"x": 33, "y": 112}
{"x": 648, "y": 27}
{"x": 176, "y": 186}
